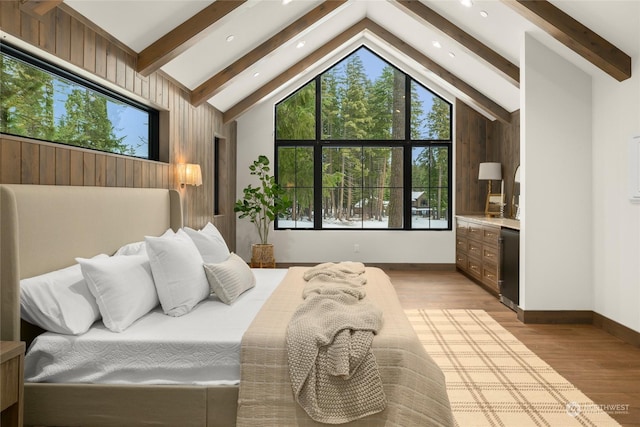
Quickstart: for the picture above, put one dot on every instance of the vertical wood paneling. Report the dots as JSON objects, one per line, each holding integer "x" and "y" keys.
{"x": 101, "y": 56}
{"x": 101, "y": 170}
{"x": 48, "y": 32}
{"x": 47, "y": 165}
{"x": 63, "y": 35}
{"x": 29, "y": 29}
{"x": 63, "y": 166}
{"x": 89, "y": 169}
{"x": 189, "y": 131}
{"x": 121, "y": 173}
{"x": 77, "y": 43}
{"x": 30, "y": 163}
{"x": 89, "y": 50}
{"x": 111, "y": 171}
{"x": 10, "y": 170}
{"x": 76, "y": 168}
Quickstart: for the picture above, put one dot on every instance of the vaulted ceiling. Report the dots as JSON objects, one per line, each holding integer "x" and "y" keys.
{"x": 234, "y": 54}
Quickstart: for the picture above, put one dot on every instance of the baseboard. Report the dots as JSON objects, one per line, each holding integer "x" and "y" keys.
{"x": 614, "y": 328}
{"x": 555, "y": 316}
{"x": 586, "y": 317}
{"x": 384, "y": 266}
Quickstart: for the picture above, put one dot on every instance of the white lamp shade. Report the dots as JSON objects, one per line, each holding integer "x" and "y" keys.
{"x": 190, "y": 174}
{"x": 490, "y": 171}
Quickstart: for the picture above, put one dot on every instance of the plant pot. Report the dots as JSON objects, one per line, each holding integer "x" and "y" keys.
{"x": 262, "y": 256}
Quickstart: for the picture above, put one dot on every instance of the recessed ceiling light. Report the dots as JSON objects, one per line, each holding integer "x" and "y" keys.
{"x": 451, "y": 54}
{"x": 230, "y": 37}
{"x": 300, "y": 44}
{"x": 467, "y": 3}
{"x": 436, "y": 43}
{"x": 256, "y": 74}
{"x": 484, "y": 13}
{"x": 286, "y": 2}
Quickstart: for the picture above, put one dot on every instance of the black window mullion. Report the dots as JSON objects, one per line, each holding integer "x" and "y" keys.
{"x": 317, "y": 160}
{"x": 407, "y": 152}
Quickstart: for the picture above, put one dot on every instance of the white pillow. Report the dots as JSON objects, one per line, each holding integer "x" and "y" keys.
{"x": 123, "y": 287}
{"x": 177, "y": 271}
{"x": 210, "y": 243}
{"x": 138, "y": 248}
{"x": 230, "y": 278}
{"x": 135, "y": 248}
{"x": 59, "y": 301}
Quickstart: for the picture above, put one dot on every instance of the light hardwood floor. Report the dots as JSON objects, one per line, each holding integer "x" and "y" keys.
{"x": 603, "y": 367}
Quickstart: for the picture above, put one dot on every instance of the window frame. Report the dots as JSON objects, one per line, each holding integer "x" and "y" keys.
{"x": 59, "y": 71}
{"x": 406, "y": 143}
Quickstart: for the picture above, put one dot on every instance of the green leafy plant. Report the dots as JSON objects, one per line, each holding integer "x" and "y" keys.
{"x": 262, "y": 204}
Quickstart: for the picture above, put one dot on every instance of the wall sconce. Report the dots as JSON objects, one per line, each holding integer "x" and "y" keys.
{"x": 189, "y": 174}
{"x": 491, "y": 171}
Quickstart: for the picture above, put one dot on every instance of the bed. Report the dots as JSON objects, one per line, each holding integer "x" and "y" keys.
{"x": 45, "y": 228}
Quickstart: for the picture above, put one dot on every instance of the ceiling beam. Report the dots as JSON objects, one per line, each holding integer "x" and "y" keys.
{"x": 223, "y": 78}
{"x": 183, "y": 36}
{"x": 478, "y": 99}
{"x": 38, "y": 7}
{"x": 575, "y": 36}
{"x": 503, "y": 66}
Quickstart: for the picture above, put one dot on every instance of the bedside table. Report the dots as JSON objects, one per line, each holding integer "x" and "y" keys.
{"x": 11, "y": 382}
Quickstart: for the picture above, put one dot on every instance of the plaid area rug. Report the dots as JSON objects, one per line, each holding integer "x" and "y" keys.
{"x": 495, "y": 380}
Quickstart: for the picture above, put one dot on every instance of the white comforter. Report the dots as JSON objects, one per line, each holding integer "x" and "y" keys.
{"x": 201, "y": 347}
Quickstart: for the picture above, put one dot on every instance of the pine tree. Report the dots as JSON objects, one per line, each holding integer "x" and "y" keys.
{"x": 86, "y": 123}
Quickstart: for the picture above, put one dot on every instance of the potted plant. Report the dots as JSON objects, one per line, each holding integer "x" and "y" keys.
{"x": 262, "y": 204}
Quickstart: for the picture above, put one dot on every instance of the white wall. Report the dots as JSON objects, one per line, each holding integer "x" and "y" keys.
{"x": 616, "y": 222}
{"x": 255, "y": 136}
{"x": 557, "y": 221}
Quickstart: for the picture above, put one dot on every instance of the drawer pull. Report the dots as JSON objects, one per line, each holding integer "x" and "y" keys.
{"x": 490, "y": 276}
{"x": 473, "y": 267}
{"x": 489, "y": 255}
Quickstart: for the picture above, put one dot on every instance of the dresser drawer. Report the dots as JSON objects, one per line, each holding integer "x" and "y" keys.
{"x": 490, "y": 235}
{"x": 474, "y": 249}
{"x": 461, "y": 228}
{"x": 461, "y": 244}
{"x": 475, "y": 232}
{"x": 462, "y": 261}
{"x": 490, "y": 254}
{"x": 475, "y": 268}
{"x": 490, "y": 276}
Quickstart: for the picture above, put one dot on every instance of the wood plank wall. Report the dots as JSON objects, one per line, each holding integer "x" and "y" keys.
{"x": 187, "y": 133}
{"x": 503, "y": 145}
{"x": 481, "y": 140}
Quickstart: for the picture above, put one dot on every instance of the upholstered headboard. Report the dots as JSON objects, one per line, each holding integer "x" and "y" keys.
{"x": 45, "y": 227}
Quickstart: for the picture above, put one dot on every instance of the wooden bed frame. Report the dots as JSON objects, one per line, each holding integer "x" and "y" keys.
{"x": 43, "y": 228}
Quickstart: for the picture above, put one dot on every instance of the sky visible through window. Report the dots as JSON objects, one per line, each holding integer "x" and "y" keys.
{"x": 128, "y": 122}
{"x": 374, "y": 65}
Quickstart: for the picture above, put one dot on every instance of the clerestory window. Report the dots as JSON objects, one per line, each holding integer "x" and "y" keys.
{"x": 364, "y": 146}
{"x": 42, "y": 101}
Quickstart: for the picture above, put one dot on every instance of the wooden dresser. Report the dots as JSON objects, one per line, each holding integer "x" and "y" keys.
{"x": 11, "y": 383}
{"x": 478, "y": 248}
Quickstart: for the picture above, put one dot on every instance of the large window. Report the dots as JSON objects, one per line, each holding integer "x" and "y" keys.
{"x": 41, "y": 101}
{"x": 364, "y": 146}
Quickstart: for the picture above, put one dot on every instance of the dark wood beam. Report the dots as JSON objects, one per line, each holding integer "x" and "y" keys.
{"x": 223, "y": 78}
{"x": 294, "y": 70}
{"x": 38, "y": 7}
{"x": 575, "y": 36}
{"x": 184, "y": 36}
{"x": 503, "y": 66}
{"x": 477, "y": 98}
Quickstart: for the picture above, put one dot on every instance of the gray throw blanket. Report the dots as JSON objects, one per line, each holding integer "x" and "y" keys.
{"x": 333, "y": 372}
